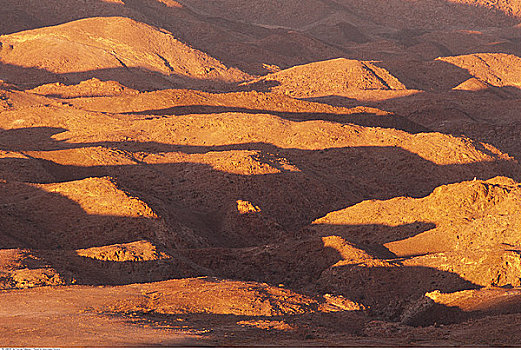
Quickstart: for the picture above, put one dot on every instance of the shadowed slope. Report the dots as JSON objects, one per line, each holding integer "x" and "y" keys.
{"x": 333, "y": 77}
{"x": 111, "y": 43}
{"x": 375, "y": 223}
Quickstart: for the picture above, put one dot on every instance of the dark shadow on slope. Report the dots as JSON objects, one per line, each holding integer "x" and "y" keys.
{"x": 37, "y": 219}
{"x": 295, "y": 263}
{"x": 236, "y": 44}
{"x": 48, "y": 227}
{"x": 134, "y": 77}
{"x": 363, "y": 119}
{"x": 247, "y": 46}
{"x": 18, "y": 16}
{"x": 334, "y": 100}
{"x": 339, "y": 176}
{"x": 461, "y": 15}
{"x": 451, "y": 98}
{"x": 426, "y": 75}
{"x": 97, "y": 271}
{"x": 40, "y": 139}
{"x": 300, "y": 261}
{"x": 30, "y": 212}
{"x": 434, "y": 14}
{"x": 261, "y": 86}
{"x": 300, "y": 329}
{"x": 432, "y": 75}
{"x": 388, "y": 289}
{"x": 52, "y": 226}
{"x": 192, "y": 197}
{"x": 374, "y": 236}
{"x": 481, "y": 306}
{"x": 66, "y": 96}
{"x": 428, "y": 44}
{"x": 489, "y": 115}
{"x": 438, "y": 314}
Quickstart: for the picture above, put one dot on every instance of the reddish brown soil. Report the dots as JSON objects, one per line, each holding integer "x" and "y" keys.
{"x": 237, "y": 173}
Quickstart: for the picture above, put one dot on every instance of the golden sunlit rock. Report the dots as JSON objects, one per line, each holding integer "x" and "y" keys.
{"x": 260, "y": 173}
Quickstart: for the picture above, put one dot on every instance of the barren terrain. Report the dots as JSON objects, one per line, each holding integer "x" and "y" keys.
{"x": 238, "y": 173}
